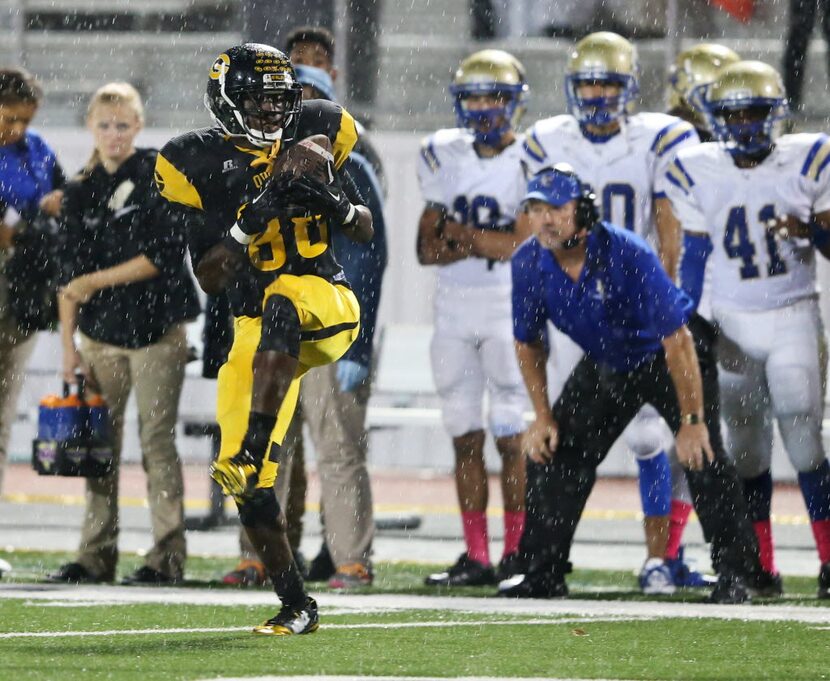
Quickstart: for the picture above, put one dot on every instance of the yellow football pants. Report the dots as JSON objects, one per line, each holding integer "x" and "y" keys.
{"x": 329, "y": 323}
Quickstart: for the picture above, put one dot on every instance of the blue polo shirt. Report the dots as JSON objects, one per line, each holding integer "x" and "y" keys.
{"x": 28, "y": 171}
{"x": 618, "y": 311}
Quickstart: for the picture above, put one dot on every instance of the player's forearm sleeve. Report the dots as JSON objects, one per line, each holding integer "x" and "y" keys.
{"x": 696, "y": 250}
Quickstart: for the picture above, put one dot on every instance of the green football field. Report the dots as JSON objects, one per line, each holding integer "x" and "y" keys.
{"x": 202, "y": 631}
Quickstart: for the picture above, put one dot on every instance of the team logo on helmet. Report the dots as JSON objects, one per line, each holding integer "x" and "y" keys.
{"x": 220, "y": 67}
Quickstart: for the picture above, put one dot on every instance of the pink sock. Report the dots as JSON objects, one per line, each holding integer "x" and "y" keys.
{"x": 678, "y": 517}
{"x": 514, "y": 525}
{"x": 475, "y": 535}
{"x": 821, "y": 531}
{"x": 766, "y": 551}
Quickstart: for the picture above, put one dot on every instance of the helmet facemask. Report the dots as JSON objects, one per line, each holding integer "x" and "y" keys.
{"x": 748, "y": 128}
{"x": 600, "y": 110}
{"x": 489, "y": 125}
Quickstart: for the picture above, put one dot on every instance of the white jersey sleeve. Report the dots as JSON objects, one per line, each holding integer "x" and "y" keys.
{"x": 815, "y": 176}
{"x": 429, "y": 172}
{"x": 672, "y": 138}
{"x": 677, "y": 187}
{"x": 543, "y": 134}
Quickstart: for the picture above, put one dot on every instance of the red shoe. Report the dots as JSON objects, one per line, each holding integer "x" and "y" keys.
{"x": 352, "y": 576}
{"x": 247, "y": 573}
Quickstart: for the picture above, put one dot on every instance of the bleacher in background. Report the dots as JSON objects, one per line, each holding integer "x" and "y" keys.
{"x": 165, "y": 47}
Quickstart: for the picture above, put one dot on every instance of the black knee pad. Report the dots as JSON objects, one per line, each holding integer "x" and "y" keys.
{"x": 261, "y": 509}
{"x": 280, "y": 327}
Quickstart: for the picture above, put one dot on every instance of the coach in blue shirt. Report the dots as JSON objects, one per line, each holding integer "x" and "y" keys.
{"x": 605, "y": 288}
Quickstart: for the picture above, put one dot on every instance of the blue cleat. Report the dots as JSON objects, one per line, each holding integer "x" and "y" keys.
{"x": 684, "y": 575}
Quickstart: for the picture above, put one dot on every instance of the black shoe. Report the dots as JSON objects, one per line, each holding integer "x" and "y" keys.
{"x": 465, "y": 572}
{"x": 729, "y": 590}
{"x": 534, "y": 585}
{"x": 510, "y": 565}
{"x": 147, "y": 576}
{"x": 824, "y": 581}
{"x": 73, "y": 573}
{"x": 289, "y": 621}
{"x": 322, "y": 567}
{"x": 767, "y": 585}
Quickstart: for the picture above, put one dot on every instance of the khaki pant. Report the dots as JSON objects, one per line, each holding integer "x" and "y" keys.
{"x": 337, "y": 425}
{"x": 15, "y": 349}
{"x": 156, "y": 372}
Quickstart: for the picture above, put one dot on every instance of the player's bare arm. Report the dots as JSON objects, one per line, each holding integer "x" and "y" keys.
{"x": 218, "y": 267}
{"x": 540, "y": 439}
{"x": 669, "y": 234}
{"x": 692, "y": 439}
{"x": 817, "y": 230}
{"x": 489, "y": 244}
{"x": 361, "y": 229}
{"x": 432, "y": 246}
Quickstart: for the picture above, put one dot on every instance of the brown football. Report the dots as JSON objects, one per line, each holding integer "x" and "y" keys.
{"x": 310, "y": 157}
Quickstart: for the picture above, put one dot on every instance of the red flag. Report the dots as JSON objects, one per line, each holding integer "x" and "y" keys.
{"x": 742, "y": 10}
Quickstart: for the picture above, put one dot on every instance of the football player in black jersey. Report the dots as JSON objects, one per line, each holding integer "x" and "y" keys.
{"x": 264, "y": 239}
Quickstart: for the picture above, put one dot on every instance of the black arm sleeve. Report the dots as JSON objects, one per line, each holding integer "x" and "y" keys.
{"x": 72, "y": 249}
{"x": 350, "y": 187}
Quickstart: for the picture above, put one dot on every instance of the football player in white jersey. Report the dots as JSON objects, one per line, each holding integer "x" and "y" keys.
{"x": 693, "y": 69}
{"x": 761, "y": 204}
{"x": 619, "y": 154}
{"x": 472, "y": 182}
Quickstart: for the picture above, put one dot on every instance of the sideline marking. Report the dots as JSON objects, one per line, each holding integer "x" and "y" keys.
{"x": 810, "y": 614}
{"x": 433, "y": 509}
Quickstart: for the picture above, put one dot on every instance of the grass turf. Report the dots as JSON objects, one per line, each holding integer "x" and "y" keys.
{"x": 665, "y": 648}
{"x": 657, "y": 649}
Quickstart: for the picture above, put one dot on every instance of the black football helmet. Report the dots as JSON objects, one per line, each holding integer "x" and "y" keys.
{"x": 252, "y": 91}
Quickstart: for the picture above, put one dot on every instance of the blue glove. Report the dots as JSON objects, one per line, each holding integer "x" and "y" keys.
{"x": 350, "y": 375}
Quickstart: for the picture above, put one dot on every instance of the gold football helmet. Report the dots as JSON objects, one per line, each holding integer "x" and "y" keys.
{"x": 601, "y": 58}
{"x": 745, "y": 105}
{"x": 692, "y": 69}
{"x": 490, "y": 72}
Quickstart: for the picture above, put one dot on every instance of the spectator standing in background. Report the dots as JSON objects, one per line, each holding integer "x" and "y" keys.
{"x": 127, "y": 291}
{"x": 335, "y": 397}
{"x": 802, "y": 18}
{"x": 30, "y": 183}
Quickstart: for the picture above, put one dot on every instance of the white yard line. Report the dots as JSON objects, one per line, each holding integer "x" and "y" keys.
{"x": 385, "y": 678}
{"x": 365, "y": 625}
{"x": 85, "y": 594}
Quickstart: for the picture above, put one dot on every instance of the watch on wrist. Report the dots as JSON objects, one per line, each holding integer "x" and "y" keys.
{"x": 691, "y": 419}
